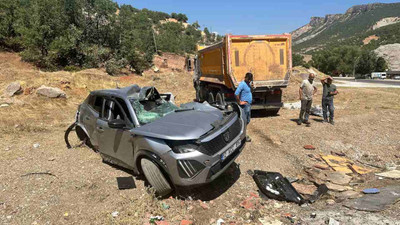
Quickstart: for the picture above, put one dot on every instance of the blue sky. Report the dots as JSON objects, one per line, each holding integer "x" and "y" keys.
{"x": 249, "y": 16}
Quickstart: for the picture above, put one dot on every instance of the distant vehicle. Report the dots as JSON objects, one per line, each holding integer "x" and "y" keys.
{"x": 221, "y": 67}
{"x": 397, "y": 77}
{"x": 378, "y": 75}
{"x": 144, "y": 131}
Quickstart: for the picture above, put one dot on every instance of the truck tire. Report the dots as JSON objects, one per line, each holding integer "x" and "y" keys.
{"x": 220, "y": 99}
{"x": 155, "y": 177}
{"x": 211, "y": 98}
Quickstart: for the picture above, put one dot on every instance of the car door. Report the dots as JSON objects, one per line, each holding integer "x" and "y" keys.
{"x": 116, "y": 143}
{"x": 90, "y": 114}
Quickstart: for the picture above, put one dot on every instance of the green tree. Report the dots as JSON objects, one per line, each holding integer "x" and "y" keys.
{"x": 381, "y": 65}
{"x": 298, "y": 60}
{"x": 366, "y": 63}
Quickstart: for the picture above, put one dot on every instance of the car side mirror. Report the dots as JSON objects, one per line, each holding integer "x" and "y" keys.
{"x": 117, "y": 124}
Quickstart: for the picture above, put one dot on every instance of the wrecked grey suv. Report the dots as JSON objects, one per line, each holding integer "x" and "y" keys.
{"x": 144, "y": 131}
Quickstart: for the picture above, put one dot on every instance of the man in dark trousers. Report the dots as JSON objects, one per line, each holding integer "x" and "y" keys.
{"x": 329, "y": 92}
{"x": 306, "y": 92}
{"x": 244, "y": 97}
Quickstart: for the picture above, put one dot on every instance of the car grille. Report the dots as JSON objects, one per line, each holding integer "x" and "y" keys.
{"x": 216, "y": 144}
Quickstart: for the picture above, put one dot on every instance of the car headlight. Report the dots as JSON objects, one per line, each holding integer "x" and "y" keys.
{"x": 182, "y": 146}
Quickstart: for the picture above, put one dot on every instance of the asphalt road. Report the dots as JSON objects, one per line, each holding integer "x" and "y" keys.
{"x": 387, "y": 82}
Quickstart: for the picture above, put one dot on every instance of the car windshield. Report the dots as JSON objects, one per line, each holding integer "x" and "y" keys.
{"x": 149, "y": 111}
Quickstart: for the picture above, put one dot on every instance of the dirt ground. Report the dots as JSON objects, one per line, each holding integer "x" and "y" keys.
{"x": 80, "y": 189}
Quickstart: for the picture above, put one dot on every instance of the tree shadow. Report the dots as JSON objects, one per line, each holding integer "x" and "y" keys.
{"x": 212, "y": 190}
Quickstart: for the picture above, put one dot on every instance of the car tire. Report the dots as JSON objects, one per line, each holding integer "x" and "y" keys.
{"x": 220, "y": 99}
{"x": 155, "y": 177}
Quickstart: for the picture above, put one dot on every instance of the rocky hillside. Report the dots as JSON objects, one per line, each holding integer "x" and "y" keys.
{"x": 352, "y": 27}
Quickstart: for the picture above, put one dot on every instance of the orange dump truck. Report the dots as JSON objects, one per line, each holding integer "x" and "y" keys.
{"x": 221, "y": 67}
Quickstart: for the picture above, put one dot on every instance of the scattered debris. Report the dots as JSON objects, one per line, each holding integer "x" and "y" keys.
{"x": 341, "y": 154}
{"x": 51, "y": 92}
{"x": 275, "y": 186}
{"x": 377, "y": 202}
{"x": 66, "y": 214}
{"x": 322, "y": 166}
{"x": 321, "y": 190}
{"x": 292, "y": 179}
{"x": 220, "y": 221}
{"x": 393, "y": 174}
{"x": 294, "y": 105}
{"x": 4, "y": 105}
{"x": 115, "y": 214}
{"x": 348, "y": 195}
{"x": 269, "y": 221}
{"x": 165, "y": 205}
{"x": 186, "y": 222}
{"x": 204, "y": 205}
{"x": 337, "y": 163}
{"x": 38, "y": 173}
{"x": 317, "y": 111}
{"x": 305, "y": 189}
{"x": 13, "y": 89}
{"x": 126, "y": 183}
{"x": 36, "y": 145}
{"x": 154, "y": 219}
{"x": 309, "y": 147}
{"x": 336, "y": 187}
{"x": 333, "y": 222}
{"x": 247, "y": 204}
{"x": 371, "y": 191}
{"x": 330, "y": 202}
{"x": 313, "y": 215}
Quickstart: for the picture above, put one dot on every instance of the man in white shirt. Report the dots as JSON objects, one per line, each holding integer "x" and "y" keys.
{"x": 306, "y": 92}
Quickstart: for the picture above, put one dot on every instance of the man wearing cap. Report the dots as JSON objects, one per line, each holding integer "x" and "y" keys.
{"x": 306, "y": 92}
{"x": 329, "y": 92}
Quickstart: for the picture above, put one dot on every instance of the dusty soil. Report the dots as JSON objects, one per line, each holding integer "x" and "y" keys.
{"x": 80, "y": 189}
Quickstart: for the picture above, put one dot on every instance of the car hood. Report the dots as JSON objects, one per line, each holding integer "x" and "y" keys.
{"x": 184, "y": 125}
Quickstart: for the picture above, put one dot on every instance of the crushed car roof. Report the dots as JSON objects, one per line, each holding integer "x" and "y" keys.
{"x": 133, "y": 91}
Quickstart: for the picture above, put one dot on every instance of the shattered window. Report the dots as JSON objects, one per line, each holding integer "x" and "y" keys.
{"x": 149, "y": 111}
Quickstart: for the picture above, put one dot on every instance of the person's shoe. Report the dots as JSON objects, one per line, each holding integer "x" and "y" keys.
{"x": 308, "y": 125}
{"x": 332, "y": 122}
{"x": 306, "y": 122}
{"x": 325, "y": 121}
{"x": 248, "y": 139}
{"x": 298, "y": 122}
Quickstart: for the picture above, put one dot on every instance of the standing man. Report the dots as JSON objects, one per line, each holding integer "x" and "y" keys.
{"x": 329, "y": 91}
{"x": 244, "y": 97}
{"x": 306, "y": 92}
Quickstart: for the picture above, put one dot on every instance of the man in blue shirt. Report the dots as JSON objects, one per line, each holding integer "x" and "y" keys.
{"x": 244, "y": 97}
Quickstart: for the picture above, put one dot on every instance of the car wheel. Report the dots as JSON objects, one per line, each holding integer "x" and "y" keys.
{"x": 211, "y": 98}
{"x": 220, "y": 99}
{"x": 155, "y": 177}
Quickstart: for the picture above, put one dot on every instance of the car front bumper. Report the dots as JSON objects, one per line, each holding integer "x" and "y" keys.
{"x": 212, "y": 166}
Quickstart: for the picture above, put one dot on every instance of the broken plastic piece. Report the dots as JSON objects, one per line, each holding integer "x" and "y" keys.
{"x": 371, "y": 191}
{"x": 125, "y": 183}
{"x": 275, "y": 186}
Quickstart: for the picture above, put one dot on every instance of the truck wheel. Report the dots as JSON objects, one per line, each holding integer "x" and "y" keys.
{"x": 211, "y": 98}
{"x": 220, "y": 99}
{"x": 155, "y": 177}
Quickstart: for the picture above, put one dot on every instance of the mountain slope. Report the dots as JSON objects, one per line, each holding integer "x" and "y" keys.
{"x": 354, "y": 24}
